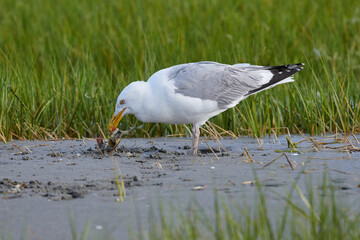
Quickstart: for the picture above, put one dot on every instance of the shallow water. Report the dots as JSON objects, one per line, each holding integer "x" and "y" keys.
{"x": 48, "y": 178}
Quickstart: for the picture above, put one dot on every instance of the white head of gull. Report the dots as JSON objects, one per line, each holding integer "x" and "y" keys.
{"x": 192, "y": 93}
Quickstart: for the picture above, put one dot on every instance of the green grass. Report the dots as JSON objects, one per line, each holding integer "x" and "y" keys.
{"x": 63, "y": 64}
{"x": 319, "y": 215}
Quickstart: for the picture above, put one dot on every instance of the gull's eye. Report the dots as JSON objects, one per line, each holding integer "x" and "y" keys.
{"x": 122, "y": 101}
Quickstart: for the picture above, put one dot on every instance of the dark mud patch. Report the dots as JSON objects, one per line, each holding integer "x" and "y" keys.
{"x": 135, "y": 152}
{"x": 62, "y": 191}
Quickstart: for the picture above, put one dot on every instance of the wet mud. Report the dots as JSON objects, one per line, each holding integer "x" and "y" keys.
{"x": 45, "y": 179}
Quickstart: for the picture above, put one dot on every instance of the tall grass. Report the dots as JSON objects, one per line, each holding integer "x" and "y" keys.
{"x": 319, "y": 215}
{"x": 63, "y": 64}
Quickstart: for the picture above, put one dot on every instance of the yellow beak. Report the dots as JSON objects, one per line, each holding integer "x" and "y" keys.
{"x": 115, "y": 121}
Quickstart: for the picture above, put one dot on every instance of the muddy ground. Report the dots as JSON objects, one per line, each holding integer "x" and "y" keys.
{"x": 41, "y": 182}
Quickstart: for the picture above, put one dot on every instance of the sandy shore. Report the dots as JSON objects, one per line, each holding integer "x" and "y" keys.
{"x": 42, "y": 181}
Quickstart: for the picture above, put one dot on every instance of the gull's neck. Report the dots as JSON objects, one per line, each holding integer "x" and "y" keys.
{"x": 140, "y": 100}
{"x": 150, "y": 102}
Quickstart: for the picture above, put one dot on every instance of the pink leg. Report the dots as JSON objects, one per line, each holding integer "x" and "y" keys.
{"x": 195, "y": 140}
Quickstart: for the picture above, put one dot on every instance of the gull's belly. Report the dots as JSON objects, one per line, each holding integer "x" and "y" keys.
{"x": 179, "y": 109}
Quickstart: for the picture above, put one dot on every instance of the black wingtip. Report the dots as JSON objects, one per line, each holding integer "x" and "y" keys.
{"x": 279, "y": 73}
{"x": 295, "y": 66}
{"x": 287, "y": 67}
{"x": 284, "y": 71}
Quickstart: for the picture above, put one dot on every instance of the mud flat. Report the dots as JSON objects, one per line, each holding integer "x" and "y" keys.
{"x": 41, "y": 182}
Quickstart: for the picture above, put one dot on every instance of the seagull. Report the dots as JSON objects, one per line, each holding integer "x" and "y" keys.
{"x": 191, "y": 93}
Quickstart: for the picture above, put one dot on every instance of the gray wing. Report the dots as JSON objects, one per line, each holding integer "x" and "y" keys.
{"x": 223, "y": 83}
